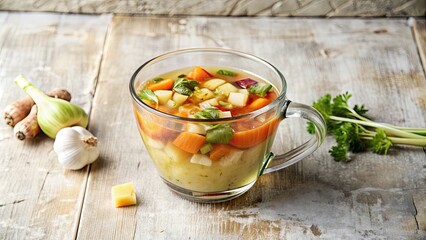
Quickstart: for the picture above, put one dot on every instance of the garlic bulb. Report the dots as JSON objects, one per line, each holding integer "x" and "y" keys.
{"x": 76, "y": 147}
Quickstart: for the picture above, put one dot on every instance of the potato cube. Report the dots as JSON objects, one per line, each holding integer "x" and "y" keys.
{"x": 238, "y": 99}
{"x": 123, "y": 195}
{"x": 163, "y": 96}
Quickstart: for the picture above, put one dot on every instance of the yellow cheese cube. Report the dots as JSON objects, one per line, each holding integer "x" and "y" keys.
{"x": 123, "y": 195}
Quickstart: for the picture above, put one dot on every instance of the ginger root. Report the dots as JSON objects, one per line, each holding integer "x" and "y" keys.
{"x": 28, "y": 127}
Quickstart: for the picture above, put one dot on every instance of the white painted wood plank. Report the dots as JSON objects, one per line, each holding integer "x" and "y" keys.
{"x": 226, "y": 7}
{"x": 370, "y": 197}
{"x": 38, "y": 199}
{"x": 419, "y": 28}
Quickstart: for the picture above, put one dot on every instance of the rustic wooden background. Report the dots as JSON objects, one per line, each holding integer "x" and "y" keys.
{"x": 372, "y": 197}
{"x": 329, "y": 8}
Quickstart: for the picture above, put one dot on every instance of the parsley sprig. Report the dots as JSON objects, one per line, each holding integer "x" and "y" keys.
{"x": 184, "y": 86}
{"x": 354, "y": 132}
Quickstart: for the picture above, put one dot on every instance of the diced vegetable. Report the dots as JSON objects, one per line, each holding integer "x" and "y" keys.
{"x": 163, "y": 95}
{"x": 162, "y": 85}
{"x": 245, "y": 83}
{"x": 220, "y": 133}
{"x": 206, "y": 148}
{"x": 176, "y": 154}
{"x": 225, "y": 105}
{"x": 244, "y": 91}
{"x": 155, "y": 130}
{"x": 196, "y": 128}
{"x": 237, "y": 99}
{"x": 209, "y": 103}
{"x": 201, "y": 159}
{"x": 260, "y": 89}
{"x": 258, "y": 104}
{"x": 199, "y": 74}
{"x": 203, "y": 94}
{"x": 212, "y": 84}
{"x": 171, "y": 104}
{"x": 232, "y": 158}
{"x": 205, "y": 104}
{"x": 226, "y": 73}
{"x": 123, "y": 195}
{"x": 182, "y": 114}
{"x": 189, "y": 142}
{"x": 148, "y": 95}
{"x": 208, "y": 113}
{"x": 220, "y": 150}
{"x": 189, "y": 108}
{"x": 213, "y": 102}
{"x": 252, "y": 137}
{"x": 184, "y": 86}
{"x": 226, "y": 88}
{"x": 226, "y": 114}
{"x": 165, "y": 108}
{"x": 154, "y": 143}
{"x": 179, "y": 98}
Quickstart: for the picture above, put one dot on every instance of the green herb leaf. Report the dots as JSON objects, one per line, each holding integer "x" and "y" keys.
{"x": 182, "y": 76}
{"x": 340, "y": 105}
{"x": 226, "y": 73}
{"x": 360, "y": 109}
{"x": 147, "y": 94}
{"x": 380, "y": 142}
{"x": 158, "y": 79}
{"x": 349, "y": 134}
{"x": 354, "y": 132}
{"x": 323, "y": 105}
{"x": 184, "y": 86}
{"x": 260, "y": 89}
{"x": 220, "y": 134}
{"x": 208, "y": 113}
{"x": 310, "y": 127}
{"x": 339, "y": 153}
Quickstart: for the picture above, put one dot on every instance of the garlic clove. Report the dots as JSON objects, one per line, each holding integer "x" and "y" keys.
{"x": 93, "y": 155}
{"x": 67, "y": 159}
{"x": 82, "y": 131}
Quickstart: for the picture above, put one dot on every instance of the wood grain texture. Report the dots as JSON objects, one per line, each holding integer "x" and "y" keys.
{"x": 328, "y": 8}
{"x": 38, "y": 199}
{"x": 371, "y": 197}
{"x": 419, "y": 198}
{"x": 419, "y": 29}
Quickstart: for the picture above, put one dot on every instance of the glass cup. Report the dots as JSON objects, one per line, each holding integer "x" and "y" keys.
{"x": 197, "y": 177}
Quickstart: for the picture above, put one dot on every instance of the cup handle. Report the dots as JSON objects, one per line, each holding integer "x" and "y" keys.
{"x": 293, "y": 109}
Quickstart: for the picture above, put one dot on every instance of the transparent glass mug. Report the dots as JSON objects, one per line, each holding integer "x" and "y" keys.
{"x": 197, "y": 177}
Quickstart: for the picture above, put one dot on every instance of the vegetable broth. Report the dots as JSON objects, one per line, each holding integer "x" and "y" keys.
{"x": 208, "y": 157}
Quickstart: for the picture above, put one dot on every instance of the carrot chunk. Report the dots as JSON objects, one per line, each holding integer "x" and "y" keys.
{"x": 189, "y": 142}
{"x": 252, "y": 137}
{"x": 153, "y": 129}
{"x": 199, "y": 74}
{"x": 258, "y": 104}
{"x": 182, "y": 114}
{"x": 220, "y": 150}
{"x": 163, "y": 85}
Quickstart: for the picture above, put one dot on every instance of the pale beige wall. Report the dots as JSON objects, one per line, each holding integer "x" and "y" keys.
{"x": 226, "y": 7}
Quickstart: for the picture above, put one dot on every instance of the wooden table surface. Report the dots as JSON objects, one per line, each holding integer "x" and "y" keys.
{"x": 373, "y": 197}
